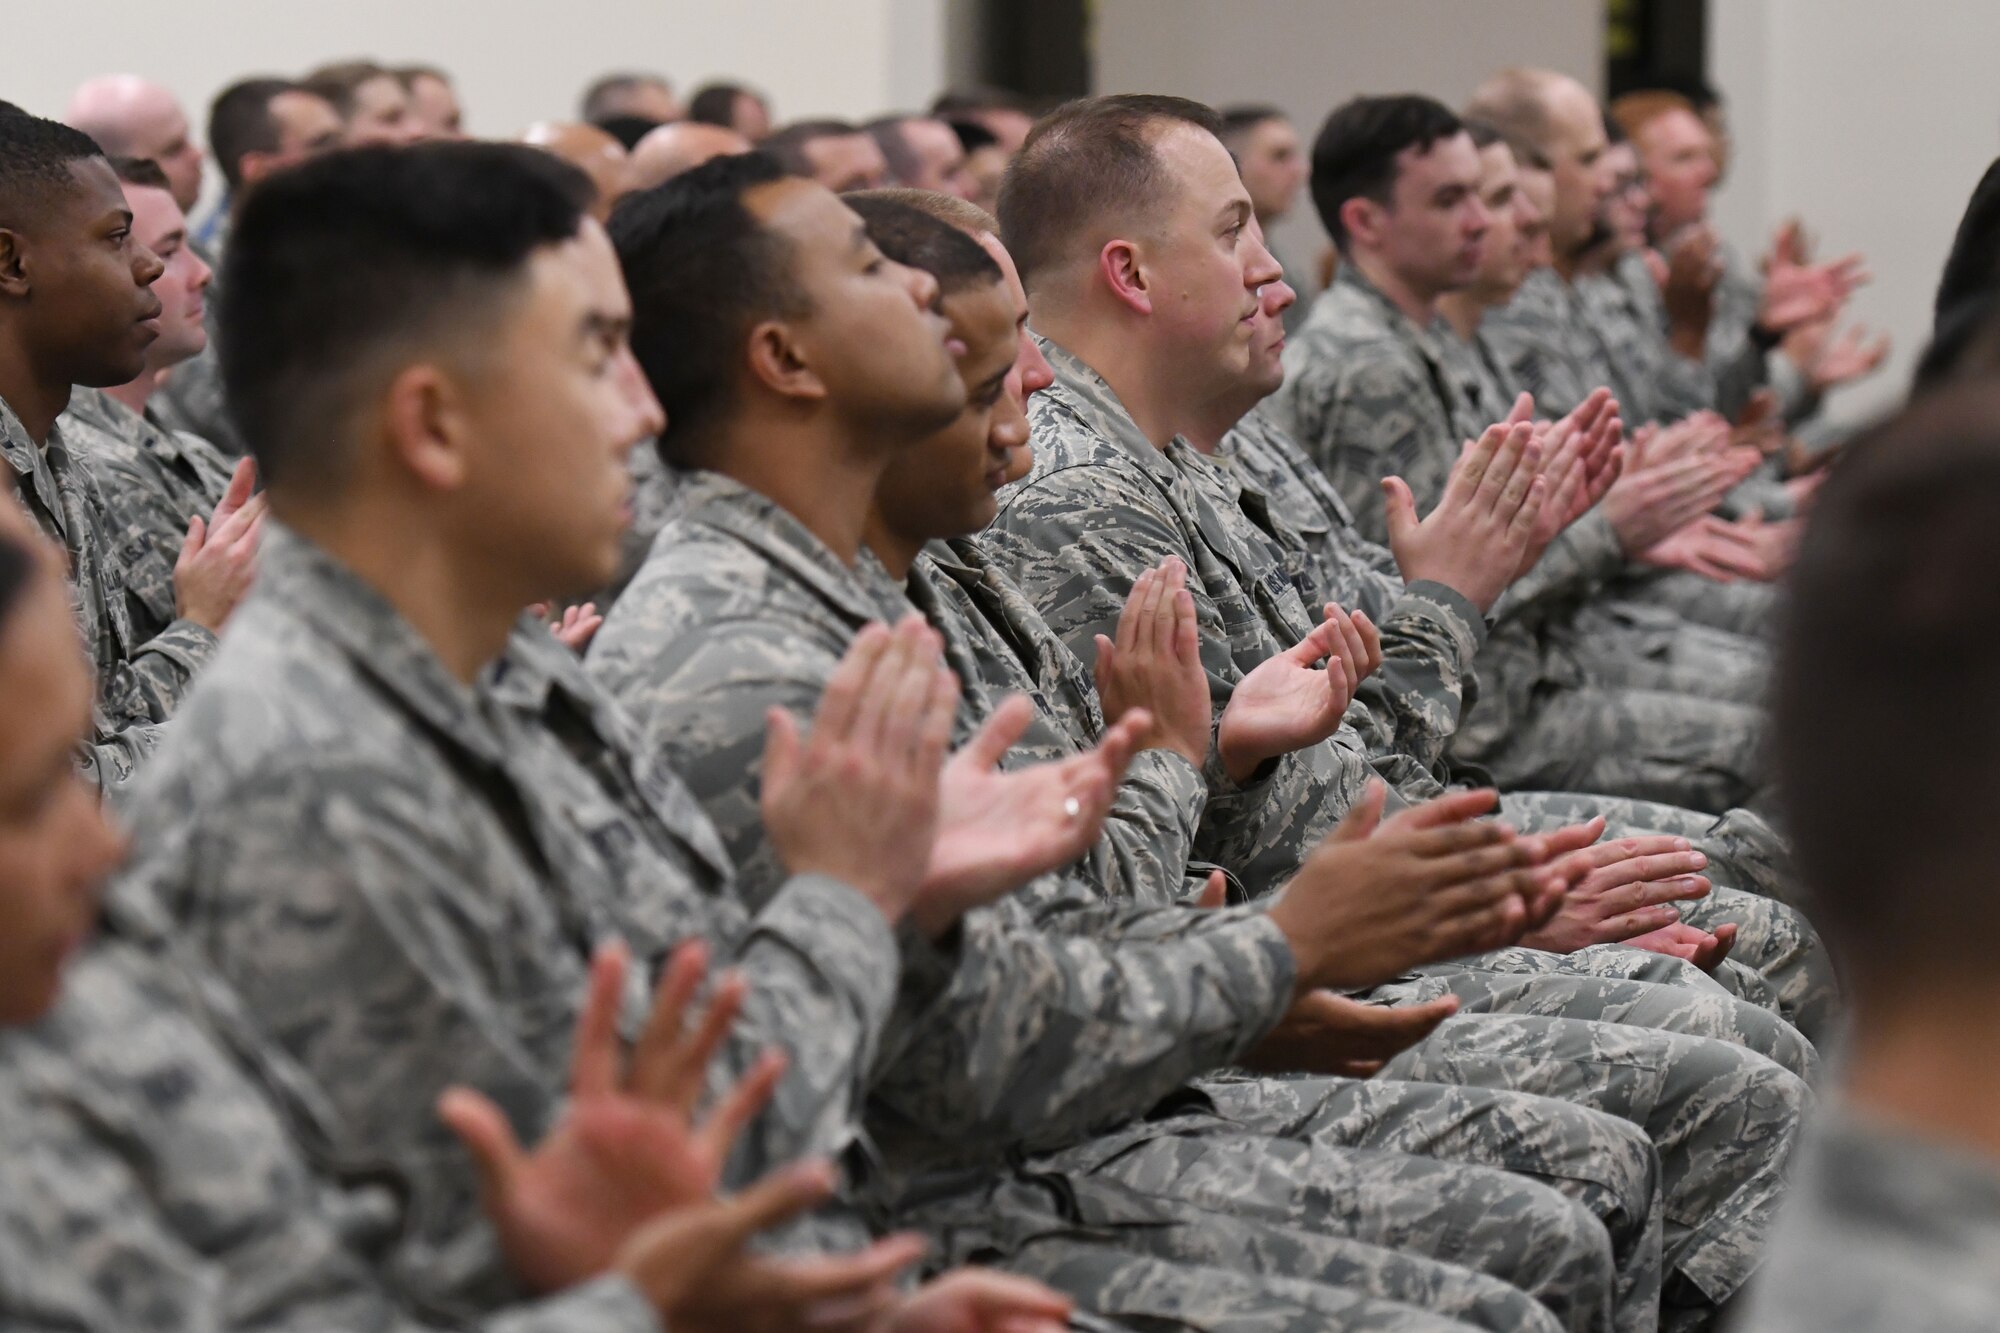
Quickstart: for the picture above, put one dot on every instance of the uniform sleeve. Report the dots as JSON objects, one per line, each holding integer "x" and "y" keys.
{"x": 1365, "y": 418}
{"x": 1582, "y": 555}
{"x": 1010, "y": 1034}
{"x": 150, "y": 684}
{"x": 1429, "y": 641}
{"x": 1075, "y": 541}
{"x": 344, "y": 883}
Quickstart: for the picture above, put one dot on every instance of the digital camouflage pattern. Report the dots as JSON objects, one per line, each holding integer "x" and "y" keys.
{"x": 154, "y": 480}
{"x": 1885, "y": 1231}
{"x": 159, "y": 1170}
{"x": 337, "y": 816}
{"x": 739, "y": 608}
{"x": 140, "y": 678}
{"x": 192, "y": 398}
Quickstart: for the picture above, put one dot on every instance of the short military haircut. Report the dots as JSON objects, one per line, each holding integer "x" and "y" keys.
{"x": 887, "y": 132}
{"x": 919, "y": 239}
{"x": 408, "y": 75}
{"x": 1516, "y": 102}
{"x": 788, "y": 143}
{"x": 963, "y": 214}
{"x": 1083, "y": 163}
{"x": 143, "y": 172}
{"x": 339, "y": 82}
{"x": 715, "y": 104}
{"x": 703, "y": 271}
{"x": 955, "y": 102}
{"x": 1526, "y": 155}
{"x": 37, "y": 161}
{"x": 602, "y": 98}
{"x": 972, "y": 136}
{"x": 1239, "y": 120}
{"x": 240, "y": 123}
{"x": 1355, "y": 155}
{"x": 1890, "y": 805}
{"x": 341, "y": 264}
{"x": 1972, "y": 269}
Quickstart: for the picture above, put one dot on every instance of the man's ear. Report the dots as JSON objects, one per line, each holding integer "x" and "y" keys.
{"x": 1119, "y": 264}
{"x": 778, "y": 361}
{"x": 13, "y": 263}
{"x": 1364, "y": 219}
{"x": 426, "y": 427}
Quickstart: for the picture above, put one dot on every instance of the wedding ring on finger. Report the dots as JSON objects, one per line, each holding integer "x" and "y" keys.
{"x": 1072, "y": 808}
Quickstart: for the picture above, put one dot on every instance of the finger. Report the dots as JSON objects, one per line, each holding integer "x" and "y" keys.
{"x": 840, "y": 703}
{"x": 1371, "y": 642}
{"x": 1214, "y": 893}
{"x": 741, "y": 1104}
{"x": 1128, "y": 614}
{"x": 1450, "y": 808}
{"x": 480, "y": 1125}
{"x": 1573, "y": 837}
{"x": 778, "y": 1197}
{"x": 1479, "y": 864}
{"x": 1121, "y": 742}
{"x": 1365, "y": 816}
{"x": 1353, "y": 653}
{"x": 1455, "y": 839}
{"x": 594, "y": 1051}
{"x": 1656, "y": 865}
{"x": 197, "y": 535}
{"x": 934, "y": 736}
{"x": 1187, "y": 628}
{"x": 653, "y": 1053}
{"x": 242, "y": 485}
{"x": 1400, "y": 509}
{"x": 1647, "y": 919}
{"x": 906, "y": 714}
{"x": 1106, "y": 670}
{"x": 1471, "y": 469}
{"x": 1653, "y": 893}
{"x": 1523, "y": 410}
{"x": 827, "y": 1277}
{"x": 994, "y": 1296}
{"x": 681, "y": 1080}
{"x": 1160, "y": 617}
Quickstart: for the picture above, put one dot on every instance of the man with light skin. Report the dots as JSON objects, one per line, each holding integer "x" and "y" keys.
{"x": 681, "y": 146}
{"x": 631, "y": 94}
{"x": 255, "y": 127}
{"x": 374, "y": 106}
{"x": 837, "y": 154}
{"x": 1001, "y": 113}
{"x": 593, "y": 152}
{"x": 1147, "y": 298}
{"x": 923, "y": 153}
{"x": 1266, "y": 147}
{"x": 134, "y": 117}
{"x": 157, "y": 483}
{"x": 433, "y": 101}
{"x": 734, "y": 107}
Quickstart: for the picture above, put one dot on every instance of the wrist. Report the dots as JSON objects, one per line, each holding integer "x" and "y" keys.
{"x": 1239, "y": 761}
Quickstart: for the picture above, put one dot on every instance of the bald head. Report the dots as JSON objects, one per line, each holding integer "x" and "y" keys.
{"x": 590, "y": 150}
{"x": 134, "y": 117}
{"x": 682, "y": 146}
{"x": 1560, "y": 118}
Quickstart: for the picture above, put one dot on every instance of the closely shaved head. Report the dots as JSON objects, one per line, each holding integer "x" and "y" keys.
{"x": 1561, "y": 119}
{"x": 134, "y": 117}
{"x": 590, "y": 150}
{"x": 681, "y": 146}
{"x": 1087, "y": 166}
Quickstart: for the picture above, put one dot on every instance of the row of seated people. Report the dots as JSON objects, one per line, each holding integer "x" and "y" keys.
{"x": 1087, "y": 780}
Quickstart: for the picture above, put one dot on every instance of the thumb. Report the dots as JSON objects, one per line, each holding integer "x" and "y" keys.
{"x": 1007, "y": 725}
{"x": 483, "y": 1129}
{"x": 1214, "y": 893}
{"x": 1523, "y": 410}
{"x": 197, "y": 537}
{"x": 1414, "y": 1022}
{"x": 781, "y": 749}
{"x": 1365, "y": 817}
{"x": 1401, "y": 509}
{"x": 1107, "y": 661}
{"x": 1325, "y": 637}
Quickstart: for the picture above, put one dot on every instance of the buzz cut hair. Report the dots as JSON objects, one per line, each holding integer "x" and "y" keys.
{"x": 1085, "y": 162}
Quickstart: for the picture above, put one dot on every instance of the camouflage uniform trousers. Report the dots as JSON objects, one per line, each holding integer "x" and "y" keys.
{"x": 1722, "y": 1117}
{"x": 1649, "y": 745}
{"x": 1553, "y": 1200}
{"x": 1156, "y": 1264}
{"x": 1754, "y": 889}
{"x": 1695, "y": 659}
{"x": 1743, "y": 608}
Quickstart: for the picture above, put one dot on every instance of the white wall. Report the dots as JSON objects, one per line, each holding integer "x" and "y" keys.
{"x": 1872, "y": 121}
{"x": 1308, "y": 56}
{"x": 516, "y": 60}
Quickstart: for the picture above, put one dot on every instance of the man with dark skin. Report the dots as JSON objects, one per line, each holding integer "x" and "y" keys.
{"x": 76, "y": 307}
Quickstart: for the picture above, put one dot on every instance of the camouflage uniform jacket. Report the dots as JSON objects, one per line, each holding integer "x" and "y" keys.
{"x": 140, "y": 680}
{"x": 1369, "y": 394}
{"x": 999, "y": 645}
{"x": 1653, "y": 381}
{"x": 404, "y": 878}
{"x": 1102, "y": 505}
{"x": 156, "y": 1172}
{"x": 1883, "y": 1231}
{"x": 1040, "y": 1036}
{"x": 153, "y": 480}
{"x": 193, "y": 398}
